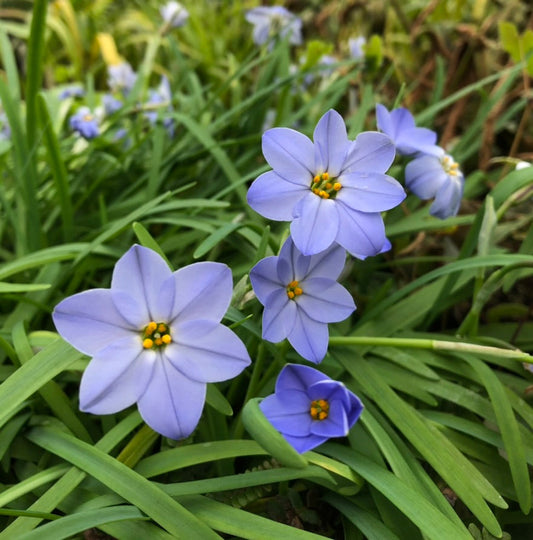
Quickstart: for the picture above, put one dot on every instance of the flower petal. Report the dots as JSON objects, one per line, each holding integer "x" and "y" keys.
{"x": 316, "y": 224}
{"x": 328, "y": 263}
{"x": 331, "y": 144}
{"x": 360, "y": 233}
{"x": 424, "y": 176}
{"x": 290, "y": 153}
{"x": 370, "y": 192}
{"x": 206, "y": 351}
{"x": 90, "y": 321}
{"x": 304, "y": 444}
{"x": 298, "y": 377}
{"x": 278, "y": 317}
{"x": 370, "y": 152}
{"x": 172, "y": 403}
{"x": 325, "y": 300}
{"x": 203, "y": 291}
{"x": 139, "y": 273}
{"x": 116, "y": 376}
{"x": 448, "y": 198}
{"x": 274, "y": 197}
{"x": 264, "y": 278}
{"x": 285, "y": 419}
{"x": 292, "y": 264}
{"x": 416, "y": 140}
{"x": 309, "y": 337}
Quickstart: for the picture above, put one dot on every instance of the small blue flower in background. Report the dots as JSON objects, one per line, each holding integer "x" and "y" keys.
{"x": 308, "y": 407}
{"x": 161, "y": 98}
{"x": 436, "y": 176}
{"x": 121, "y": 77}
{"x": 301, "y": 295}
{"x": 75, "y": 91}
{"x": 155, "y": 339}
{"x": 174, "y": 14}
{"x": 356, "y": 47}
{"x": 111, "y": 103}
{"x": 85, "y": 123}
{"x": 332, "y": 190}
{"x": 399, "y": 125}
{"x": 270, "y": 22}
{"x": 5, "y": 129}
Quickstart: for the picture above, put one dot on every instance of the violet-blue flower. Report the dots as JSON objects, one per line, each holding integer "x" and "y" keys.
{"x": 174, "y": 14}
{"x": 75, "y": 91}
{"x": 155, "y": 339}
{"x": 111, "y": 103}
{"x": 159, "y": 103}
{"x": 273, "y": 21}
{"x": 399, "y": 125}
{"x": 121, "y": 77}
{"x": 436, "y": 176}
{"x": 308, "y": 407}
{"x": 301, "y": 295}
{"x": 85, "y": 123}
{"x": 332, "y": 190}
{"x": 356, "y": 47}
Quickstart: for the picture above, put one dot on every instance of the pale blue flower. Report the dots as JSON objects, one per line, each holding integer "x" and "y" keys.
{"x": 308, "y": 407}
{"x": 356, "y": 47}
{"x": 274, "y": 21}
{"x": 75, "y": 91}
{"x": 399, "y": 125}
{"x": 159, "y": 104}
{"x": 301, "y": 296}
{"x": 121, "y": 77}
{"x": 111, "y": 103}
{"x": 85, "y": 123}
{"x": 155, "y": 339}
{"x": 436, "y": 176}
{"x": 174, "y": 14}
{"x": 332, "y": 190}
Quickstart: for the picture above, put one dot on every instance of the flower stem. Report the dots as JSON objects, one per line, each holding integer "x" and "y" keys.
{"x": 432, "y": 344}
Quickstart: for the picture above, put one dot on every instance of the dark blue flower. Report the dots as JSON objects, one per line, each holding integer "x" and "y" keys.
{"x": 155, "y": 339}
{"x": 436, "y": 176}
{"x": 332, "y": 190}
{"x": 399, "y": 125}
{"x": 301, "y": 295}
{"x": 308, "y": 407}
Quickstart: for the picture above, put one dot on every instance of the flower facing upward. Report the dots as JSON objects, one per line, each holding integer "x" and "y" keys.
{"x": 332, "y": 190}
{"x": 399, "y": 125}
{"x": 155, "y": 338}
{"x": 274, "y": 21}
{"x": 436, "y": 176}
{"x": 85, "y": 123}
{"x": 174, "y": 14}
{"x": 308, "y": 407}
{"x": 301, "y": 295}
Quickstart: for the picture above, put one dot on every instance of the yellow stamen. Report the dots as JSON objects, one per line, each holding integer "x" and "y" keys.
{"x": 148, "y": 343}
{"x": 158, "y": 341}
{"x": 166, "y": 339}
{"x": 316, "y": 179}
{"x": 293, "y": 289}
{"x": 328, "y": 185}
{"x": 324, "y": 194}
{"x": 325, "y": 176}
{"x": 337, "y": 186}
{"x": 290, "y": 294}
{"x": 150, "y": 328}
{"x": 298, "y": 291}
{"x": 319, "y": 409}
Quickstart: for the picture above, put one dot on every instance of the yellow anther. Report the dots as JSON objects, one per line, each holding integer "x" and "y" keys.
{"x": 148, "y": 343}
{"x": 316, "y": 191}
{"x": 162, "y": 328}
{"x": 150, "y": 328}
{"x": 158, "y": 341}
{"x": 316, "y": 179}
{"x": 290, "y": 294}
{"x": 314, "y": 412}
{"x": 324, "y": 194}
{"x": 319, "y": 409}
{"x": 325, "y": 176}
{"x": 322, "y": 415}
{"x": 293, "y": 289}
{"x": 298, "y": 291}
{"x": 328, "y": 185}
{"x": 166, "y": 339}
{"x": 293, "y": 284}
{"x": 337, "y": 186}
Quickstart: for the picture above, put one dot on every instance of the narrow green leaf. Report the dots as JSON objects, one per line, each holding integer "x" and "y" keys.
{"x": 6, "y": 287}
{"x": 214, "y": 398}
{"x": 123, "y": 481}
{"x": 214, "y": 238}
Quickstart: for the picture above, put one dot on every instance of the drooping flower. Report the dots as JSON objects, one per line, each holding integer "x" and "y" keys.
{"x": 332, "y": 190}
{"x": 356, "y": 47}
{"x": 308, "y": 407}
{"x": 436, "y": 176}
{"x": 301, "y": 295}
{"x": 174, "y": 14}
{"x": 121, "y": 77}
{"x": 399, "y": 125}
{"x": 274, "y": 21}
{"x": 85, "y": 123}
{"x": 155, "y": 339}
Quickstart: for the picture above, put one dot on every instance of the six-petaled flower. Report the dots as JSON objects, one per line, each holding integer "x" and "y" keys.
{"x": 155, "y": 339}
{"x": 301, "y": 295}
{"x": 332, "y": 190}
{"x": 85, "y": 123}
{"x": 308, "y": 407}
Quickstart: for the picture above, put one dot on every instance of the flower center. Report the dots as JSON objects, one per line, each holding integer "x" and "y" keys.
{"x": 319, "y": 409}
{"x": 156, "y": 334}
{"x": 450, "y": 166}
{"x": 323, "y": 186}
{"x": 293, "y": 290}
{"x": 87, "y": 117}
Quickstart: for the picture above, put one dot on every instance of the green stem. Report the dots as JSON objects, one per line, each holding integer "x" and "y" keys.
{"x": 432, "y": 344}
